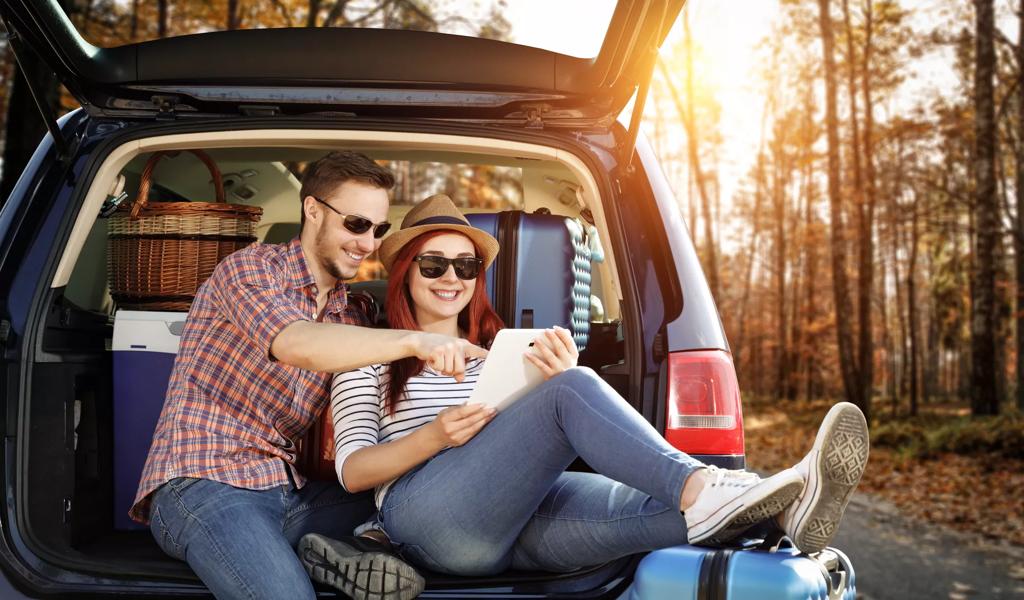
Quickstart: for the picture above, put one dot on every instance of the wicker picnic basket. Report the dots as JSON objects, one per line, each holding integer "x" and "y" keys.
{"x": 159, "y": 253}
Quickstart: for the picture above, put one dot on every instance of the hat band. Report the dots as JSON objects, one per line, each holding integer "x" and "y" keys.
{"x": 441, "y": 221}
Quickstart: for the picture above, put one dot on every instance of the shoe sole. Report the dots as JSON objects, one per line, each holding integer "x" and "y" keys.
{"x": 744, "y": 511}
{"x": 842, "y": 445}
{"x": 359, "y": 575}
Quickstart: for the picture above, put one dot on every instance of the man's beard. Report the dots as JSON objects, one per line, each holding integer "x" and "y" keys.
{"x": 332, "y": 268}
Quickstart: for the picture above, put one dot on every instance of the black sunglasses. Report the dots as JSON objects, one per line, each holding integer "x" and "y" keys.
{"x": 358, "y": 225}
{"x": 433, "y": 266}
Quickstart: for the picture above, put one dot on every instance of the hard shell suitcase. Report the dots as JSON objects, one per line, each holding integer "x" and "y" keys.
{"x": 489, "y": 223}
{"x": 780, "y": 573}
{"x": 542, "y": 275}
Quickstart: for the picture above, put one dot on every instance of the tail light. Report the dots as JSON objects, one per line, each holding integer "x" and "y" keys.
{"x": 704, "y": 414}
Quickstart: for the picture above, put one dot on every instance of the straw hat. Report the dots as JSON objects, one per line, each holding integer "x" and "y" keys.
{"x": 437, "y": 212}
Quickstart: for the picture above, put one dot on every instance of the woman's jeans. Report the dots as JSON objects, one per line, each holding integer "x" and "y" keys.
{"x": 241, "y": 542}
{"x": 504, "y": 500}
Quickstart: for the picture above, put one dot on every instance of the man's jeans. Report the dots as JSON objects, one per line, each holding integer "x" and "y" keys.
{"x": 241, "y": 542}
{"x": 503, "y": 500}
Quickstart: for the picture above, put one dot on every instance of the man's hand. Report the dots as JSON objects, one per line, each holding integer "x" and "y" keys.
{"x": 456, "y": 425}
{"x": 446, "y": 354}
{"x": 553, "y": 351}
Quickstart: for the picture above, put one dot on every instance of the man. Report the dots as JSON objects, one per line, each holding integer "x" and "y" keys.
{"x": 264, "y": 333}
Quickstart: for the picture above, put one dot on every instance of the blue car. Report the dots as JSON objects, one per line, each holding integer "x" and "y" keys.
{"x": 516, "y": 130}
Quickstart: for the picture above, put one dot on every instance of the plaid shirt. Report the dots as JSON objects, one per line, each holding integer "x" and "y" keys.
{"x": 232, "y": 413}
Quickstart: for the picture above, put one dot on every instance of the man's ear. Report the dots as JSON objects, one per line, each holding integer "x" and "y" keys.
{"x": 310, "y": 209}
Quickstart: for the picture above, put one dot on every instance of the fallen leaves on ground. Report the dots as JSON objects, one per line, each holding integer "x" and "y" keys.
{"x": 981, "y": 493}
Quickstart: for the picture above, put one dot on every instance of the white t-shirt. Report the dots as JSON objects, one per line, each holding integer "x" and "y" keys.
{"x": 357, "y": 408}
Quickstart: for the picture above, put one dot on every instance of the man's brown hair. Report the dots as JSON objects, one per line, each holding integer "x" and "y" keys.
{"x": 324, "y": 176}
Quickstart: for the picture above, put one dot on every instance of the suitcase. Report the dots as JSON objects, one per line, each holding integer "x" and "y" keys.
{"x": 776, "y": 573}
{"x": 542, "y": 274}
{"x": 489, "y": 223}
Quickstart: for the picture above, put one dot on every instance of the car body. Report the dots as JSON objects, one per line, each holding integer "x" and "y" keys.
{"x": 540, "y": 112}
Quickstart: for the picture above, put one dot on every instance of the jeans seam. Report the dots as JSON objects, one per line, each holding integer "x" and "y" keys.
{"x": 308, "y": 507}
{"x": 613, "y": 520}
{"x": 214, "y": 544}
{"x": 165, "y": 532}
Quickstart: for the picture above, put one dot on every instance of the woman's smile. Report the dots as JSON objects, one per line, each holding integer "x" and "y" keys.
{"x": 447, "y": 295}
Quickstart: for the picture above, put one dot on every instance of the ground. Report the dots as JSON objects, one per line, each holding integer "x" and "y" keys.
{"x": 946, "y": 526}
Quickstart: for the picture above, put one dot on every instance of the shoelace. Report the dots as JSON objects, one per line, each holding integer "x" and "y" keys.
{"x": 720, "y": 476}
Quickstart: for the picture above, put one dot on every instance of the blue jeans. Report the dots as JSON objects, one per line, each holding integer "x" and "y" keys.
{"x": 241, "y": 542}
{"x": 504, "y": 500}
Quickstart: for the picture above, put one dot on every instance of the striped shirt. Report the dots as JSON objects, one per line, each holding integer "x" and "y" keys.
{"x": 232, "y": 413}
{"x": 360, "y": 421}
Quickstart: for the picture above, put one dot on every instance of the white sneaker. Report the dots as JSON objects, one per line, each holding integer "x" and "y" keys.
{"x": 832, "y": 470}
{"x": 734, "y": 500}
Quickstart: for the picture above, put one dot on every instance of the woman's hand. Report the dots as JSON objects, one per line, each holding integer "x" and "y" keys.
{"x": 554, "y": 351}
{"x": 456, "y": 425}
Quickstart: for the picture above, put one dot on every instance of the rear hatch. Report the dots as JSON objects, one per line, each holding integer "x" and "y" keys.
{"x": 380, "y": 72}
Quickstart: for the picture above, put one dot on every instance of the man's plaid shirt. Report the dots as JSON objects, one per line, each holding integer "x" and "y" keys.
{"x": 232, "y": 413}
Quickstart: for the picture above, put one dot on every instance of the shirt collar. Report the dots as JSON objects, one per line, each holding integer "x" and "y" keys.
{"x": 301, "y": 276}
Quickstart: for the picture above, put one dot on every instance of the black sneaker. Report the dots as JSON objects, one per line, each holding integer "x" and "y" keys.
{"x": 360, "y": 567}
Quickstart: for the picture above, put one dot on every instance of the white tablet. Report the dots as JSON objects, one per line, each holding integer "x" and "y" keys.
{"x": 507, "y": 374}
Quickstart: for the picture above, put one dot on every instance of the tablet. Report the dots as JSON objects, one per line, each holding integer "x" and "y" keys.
{"x": 507, "y": 374}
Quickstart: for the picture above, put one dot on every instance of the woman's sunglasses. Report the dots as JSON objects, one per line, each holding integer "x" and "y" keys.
{"x": 432, "y": 266}
{"x": 359, "y": 225}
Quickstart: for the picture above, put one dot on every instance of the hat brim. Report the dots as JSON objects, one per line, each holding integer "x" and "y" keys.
{"x": 394, "y": 243}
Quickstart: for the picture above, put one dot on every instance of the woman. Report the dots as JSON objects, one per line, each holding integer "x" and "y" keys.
{"x": 466, "y": 491}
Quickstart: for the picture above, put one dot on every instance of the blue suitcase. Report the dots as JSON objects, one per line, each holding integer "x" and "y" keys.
{"x": 542, "y": 274}
{"x": 489, "y": 223}
{"x": 782, "y": 573}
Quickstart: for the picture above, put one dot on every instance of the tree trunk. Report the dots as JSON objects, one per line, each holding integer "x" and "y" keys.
{"x": 779, "y": 214}
{"x": 1019, "y": 238}
{"x": 25, "y": 126}
{"x": 751, "y": 254}
{"x": 865, "y": 271}
{"x": 161, "y": 19}
{"x": 232, "y": 20}
{"x": 693, "y": 139}
{"x": 912, "y": 306}
{"x": 686, "y": 116}
{"x": 314, "y": 10}
{"x": 840, "y": 286}
{"x": 900, "y": 373}
{"x": 984, "y": 387}
{"x": 135, "y": 20}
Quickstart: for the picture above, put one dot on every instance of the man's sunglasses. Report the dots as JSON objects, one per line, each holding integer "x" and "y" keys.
{"x": 358, "y": 225}
{"x": 432, "y": 266}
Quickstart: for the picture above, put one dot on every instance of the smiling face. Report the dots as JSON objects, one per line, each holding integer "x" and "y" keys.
{"x": 436, "y": 303}
{"x": 337, "y": 251}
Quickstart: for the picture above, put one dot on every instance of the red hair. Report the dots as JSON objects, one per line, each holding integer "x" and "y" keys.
{"x": 477, "y": 320}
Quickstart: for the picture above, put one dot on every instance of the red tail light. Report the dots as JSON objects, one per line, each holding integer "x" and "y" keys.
{"x": 704, "y": 414}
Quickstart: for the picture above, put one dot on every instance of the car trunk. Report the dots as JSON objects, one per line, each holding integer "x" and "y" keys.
{"x": 67, "y": 446}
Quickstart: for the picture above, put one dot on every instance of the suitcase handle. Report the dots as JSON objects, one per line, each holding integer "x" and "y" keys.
{"x": 835, "y": 572}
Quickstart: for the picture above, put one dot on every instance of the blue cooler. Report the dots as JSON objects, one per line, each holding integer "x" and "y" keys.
{"x": 145, "y": 344}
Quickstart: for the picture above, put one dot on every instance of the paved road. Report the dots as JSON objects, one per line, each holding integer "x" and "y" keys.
{"x": 896, "y": 558}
